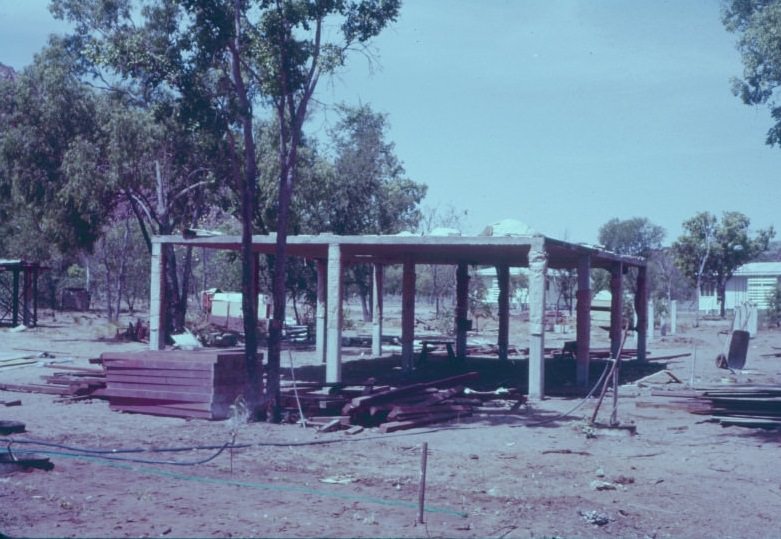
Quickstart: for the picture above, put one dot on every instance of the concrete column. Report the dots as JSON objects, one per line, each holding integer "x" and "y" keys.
{"x": 320, "y": 309}
{"x": 377, "y": 283}
{"x": 649, "y": 337}
{"x": 752, "y": 319}
{"x": 157, "y": 298}
{"x": 538, "y": 269}
{"x": 616, "y": 307}
{"x": 503, "y": 276}
{"x": 408, "y": 315}
{"x": 673, "y": 317}
{"x": 583, "y": 320}
{"x": 641, "y": 308}
{"x": 462, "y": 308}
{"x": 333, "y": 340}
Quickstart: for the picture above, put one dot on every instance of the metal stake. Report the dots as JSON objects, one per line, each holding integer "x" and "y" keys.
{"x": 422, "y": 486}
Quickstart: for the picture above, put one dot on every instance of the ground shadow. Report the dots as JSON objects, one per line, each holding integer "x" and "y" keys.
{"x": 560, "y": 374}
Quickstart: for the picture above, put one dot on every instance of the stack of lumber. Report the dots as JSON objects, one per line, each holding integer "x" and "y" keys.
{"x": 77, "y": 381}
{"x": 66, "y": 382}
{"x": 410, "y": 406}
{"x": 420, "y": 404}
{"x": 739, "y": 405}
{"x": 190, "y": 384}
{"x": 315, "y": 399}
{"x": 394, "y": 408}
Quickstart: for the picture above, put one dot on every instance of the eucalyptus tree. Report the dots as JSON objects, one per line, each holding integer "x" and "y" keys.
{"x": 219, "y": 60}
{"x": 710, "y": 250}
{"x": 757, "y": 24}
{"x": 46, "y": 113}
{"x": 369, "y": 192}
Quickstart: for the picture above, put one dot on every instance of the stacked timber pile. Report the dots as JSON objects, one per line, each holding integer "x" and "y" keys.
{"x": 739, "y": 405}
{"x": 398, "y": 408}
{"x": 191, "y": 384}
{"x": 67, "y": 381}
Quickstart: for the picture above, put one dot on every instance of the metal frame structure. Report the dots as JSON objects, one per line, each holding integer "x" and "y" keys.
{"x": 19, "y": 292}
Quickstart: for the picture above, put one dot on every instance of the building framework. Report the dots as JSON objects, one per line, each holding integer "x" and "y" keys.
{"x": 19, "y": 292}
{"x": 333, "y": 253}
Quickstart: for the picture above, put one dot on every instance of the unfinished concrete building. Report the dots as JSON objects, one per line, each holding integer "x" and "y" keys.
{"x": 333, "y": 254}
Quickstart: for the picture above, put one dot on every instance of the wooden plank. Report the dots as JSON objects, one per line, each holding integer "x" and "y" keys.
{"x": 172, "y": 405}
{"x": 756, "y": 423}
{"x": 331, "y": 426}
{"x": 75, "y": 370}
{"x": 367, "y": 401}
{"x": 182, "y": 355}
{"x": 393, "y": 426}
{"x": 172, "y": 364}
{"x": 158, "y": 380}
{"x": 185, "y": 395}
{"x": 162, "y": 411}
{"x": 34, "y": 388}
{"x": 400, "y": 411}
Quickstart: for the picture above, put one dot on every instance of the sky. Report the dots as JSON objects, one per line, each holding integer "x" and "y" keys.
{"x": 562, "y": 114}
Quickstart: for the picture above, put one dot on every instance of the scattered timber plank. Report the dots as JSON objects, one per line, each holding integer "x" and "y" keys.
{"x": 34, "y": 388}
{"x": 365, "y": 402}
{"x": 334, "y": 424}
{"x": 393, "y": 426}
{"x": 754, "y": 423}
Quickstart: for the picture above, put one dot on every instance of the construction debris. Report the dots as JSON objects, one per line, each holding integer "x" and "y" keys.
{"x": 11, "y": 427}
{"x": 392, "y": 409}
{"x": 739, "y": 405}
{"x": 66, "y": 382}
{"x": 11, "y": 463}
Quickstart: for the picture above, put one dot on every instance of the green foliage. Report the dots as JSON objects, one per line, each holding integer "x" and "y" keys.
{"x": 47, "y": 119}
{"x": 710, "y": 250}
{"x": 758, "y": 26}
{"x": 774, "y": 306}
{"x": 368, "y": 193}
{"x": 634, "y": 237}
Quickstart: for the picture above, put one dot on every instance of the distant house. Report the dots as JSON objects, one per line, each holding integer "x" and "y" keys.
{"x": 751, "y": 282}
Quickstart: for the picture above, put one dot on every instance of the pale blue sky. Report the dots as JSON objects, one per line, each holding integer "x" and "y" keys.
{"x": 562, "y": 114}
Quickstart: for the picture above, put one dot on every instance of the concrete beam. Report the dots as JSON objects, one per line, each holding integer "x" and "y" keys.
{"x": 583, "y": 320}
{"x": 157, "y": 299}
{"x": 538, "y": 269}
{"x": 320, "y": 309}
{"x": 462, "y": 308}
{"x": 377, "y": 286}
{"x": 503, "y": 276}
{"x": 333, "y": 366}
{"x": 408, "y": 315}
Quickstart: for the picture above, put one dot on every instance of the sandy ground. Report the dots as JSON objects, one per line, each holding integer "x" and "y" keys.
{"x": 494, "y": 476}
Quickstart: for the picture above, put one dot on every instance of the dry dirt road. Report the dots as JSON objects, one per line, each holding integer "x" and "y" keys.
{"x": 497, "y": 476}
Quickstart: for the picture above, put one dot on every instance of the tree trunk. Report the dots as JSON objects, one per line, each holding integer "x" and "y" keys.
{"x": 279, "y": 296}
{"x": 722, "y": 291}
{"x": 181, "y": 306}
{"x": 248, "y": 183}
{"x": 122, "y": 270}
{"x": 109, "y": 285}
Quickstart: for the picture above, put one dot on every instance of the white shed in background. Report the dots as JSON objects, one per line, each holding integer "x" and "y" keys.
{"x": 751, "y": 282}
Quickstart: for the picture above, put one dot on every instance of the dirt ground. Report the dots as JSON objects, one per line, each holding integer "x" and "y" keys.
{"x": 493, "y": 476}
